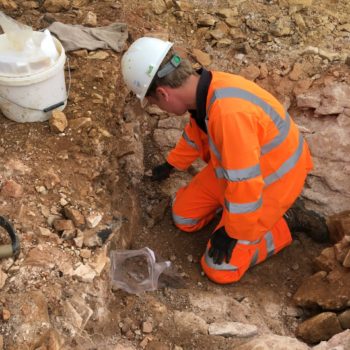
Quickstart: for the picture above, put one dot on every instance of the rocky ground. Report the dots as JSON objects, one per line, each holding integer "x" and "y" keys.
{"x": 77, "y": 187}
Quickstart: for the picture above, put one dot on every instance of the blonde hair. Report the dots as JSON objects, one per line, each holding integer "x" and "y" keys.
{"x": 175, "y": 78}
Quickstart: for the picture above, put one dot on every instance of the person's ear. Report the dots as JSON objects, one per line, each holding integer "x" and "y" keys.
{"x": 162, "y": 93}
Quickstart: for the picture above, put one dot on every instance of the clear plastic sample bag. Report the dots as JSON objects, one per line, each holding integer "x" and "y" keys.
{"x": 136, "y": 271}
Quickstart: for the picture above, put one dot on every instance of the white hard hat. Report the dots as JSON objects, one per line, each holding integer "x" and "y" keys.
{"x": 141, "y": 62}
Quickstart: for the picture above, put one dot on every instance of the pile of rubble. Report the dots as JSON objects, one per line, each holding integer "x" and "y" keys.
{"x": 329, "y": 287}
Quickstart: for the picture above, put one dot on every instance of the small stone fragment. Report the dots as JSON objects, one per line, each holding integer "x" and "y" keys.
{"x": 12, "y": 189}
{"x": 346, "y": 261}
{"x": 206, "y": 21}
{"x": 30, "y": 5}
{"x": 326, "y": 261}
{"x": 79, "y": 123}
{"x": 44, "y": 231}
{"x": 58, "y": 121}
{"x": 62, "y": 225}
{"x": 74, "y": 215}
{"x": 347, "y": 61}
{"x": 85, "y": 253}
{"x": 8, "y": 4}
{"x": 183, "y": 5}
{"x": 233, "y": 329}
{"x": 3, "y": 278}
{"x": 227, "y": 12}
{"x": 147, "y": 327}
{"x": 296, "y": 72}
{"x": 90, "y": 19}
{"x": 6, "y": 314}
{"x": 251, "y": 72}
{"x": 79, "y": 239}
{"x": 56, "y": 5}
{"x": 79, "y": 53}
{"x": 98, "y": 55}
{"x": 93, "y": 219}
{"x": 344, "y": 319}
{"x": 68, "y": 234}
{"x": 84, "y": 273}
{"x": 158, "y": 7}
{"x": 202, "y": 57}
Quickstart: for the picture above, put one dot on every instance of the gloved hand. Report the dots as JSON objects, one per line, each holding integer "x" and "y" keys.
{"x": 161, "y": 172}
{"x": 221, "y": 246}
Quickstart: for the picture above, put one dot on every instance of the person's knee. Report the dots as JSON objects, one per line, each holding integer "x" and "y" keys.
{"x": 222, "y": 276}
{"x": 184, "y": 223}
{"x": 187, "y": 228}
{"x": 225, "y": 273}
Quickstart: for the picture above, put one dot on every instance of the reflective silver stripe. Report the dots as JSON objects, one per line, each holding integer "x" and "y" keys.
{"x": 189, "y": 141}
{"x": 282, "y": 125}
{"x": 213, "y": 148}
{"x": 245, "y": 242}
{"x": 254, "y": 258}
{"x": 287, "y": 165}
{"x": 184, "y": 221}
{"x": 270, "y": 246}
{"x": 238, "y": 175}
{"x": 211, "y": 143}
{"x": 283, "y": 133}
{"x": 235, "y": 208}
{"x": 222, "y": 267}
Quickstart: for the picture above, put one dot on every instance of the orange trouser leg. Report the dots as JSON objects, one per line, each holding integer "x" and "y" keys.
{"x": 196, "y": 204}
{"x": 247, "y": 254}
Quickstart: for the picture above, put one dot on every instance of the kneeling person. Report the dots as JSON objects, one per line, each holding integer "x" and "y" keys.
{"x": 257, "y": 160}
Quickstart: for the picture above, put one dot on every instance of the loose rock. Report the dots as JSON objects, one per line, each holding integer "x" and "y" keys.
{"x": 90, "y": 19}
{"x": 58, "y": 121}
{"x": 3, "y": 278}
{"x": 56, "y": 5}
{"x": 206, "y": 21}
{"x": 344, "y": 319}
{"x": 202, "y": 57}
{"x": 158, "y": 7}
{"x": 8, "y": 4}
{"x": 320, "y": 327}
{"x": 275, "y": 342}
{"x": 93, "y": 219}
{"x": 74, "y": 215}
{"x": 191, "y": 322}
{"x": 12, "y": 189}
{"x": 62, "y": 225}
{"x": 84, "y": 273}
{"x": 147, "y": 327}
{"x": 233, "y": 329}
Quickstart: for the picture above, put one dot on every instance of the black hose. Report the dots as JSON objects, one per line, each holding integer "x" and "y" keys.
{"x": 13, "y": 249}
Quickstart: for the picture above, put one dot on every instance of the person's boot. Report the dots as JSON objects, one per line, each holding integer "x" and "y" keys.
{"x": 299, "y": 219}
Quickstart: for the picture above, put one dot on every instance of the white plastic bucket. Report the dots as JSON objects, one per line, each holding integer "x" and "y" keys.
{"x": 31, "y": 97}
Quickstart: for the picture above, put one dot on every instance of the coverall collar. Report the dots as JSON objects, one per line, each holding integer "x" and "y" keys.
{"x": 201, "y": 98}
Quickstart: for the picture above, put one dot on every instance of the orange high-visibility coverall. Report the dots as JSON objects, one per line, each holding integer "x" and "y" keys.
{"x": 257, "y": 164}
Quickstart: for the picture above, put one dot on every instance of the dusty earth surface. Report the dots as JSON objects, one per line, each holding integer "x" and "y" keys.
{"x": 58, "y": 293}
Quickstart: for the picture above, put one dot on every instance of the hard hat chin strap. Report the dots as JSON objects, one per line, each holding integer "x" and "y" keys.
{"x": 169, "y": 67}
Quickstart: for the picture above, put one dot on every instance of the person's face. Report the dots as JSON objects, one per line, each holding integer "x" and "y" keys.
{"x": 167, "y": 99}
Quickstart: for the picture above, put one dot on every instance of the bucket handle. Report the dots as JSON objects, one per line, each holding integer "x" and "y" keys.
{"x": 56, "y": 105}
{"x": 12, "y": 249}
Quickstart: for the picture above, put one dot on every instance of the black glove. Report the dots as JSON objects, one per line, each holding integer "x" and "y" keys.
{"x": 161, "y": 172}
{"x": 221, "y": 246}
